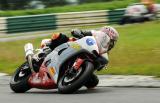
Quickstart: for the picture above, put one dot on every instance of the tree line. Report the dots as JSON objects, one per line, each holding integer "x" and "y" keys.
{"x": 25, "y": 4}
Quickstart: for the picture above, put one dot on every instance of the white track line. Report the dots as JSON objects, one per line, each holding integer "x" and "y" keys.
{"x": 2, "y": 74}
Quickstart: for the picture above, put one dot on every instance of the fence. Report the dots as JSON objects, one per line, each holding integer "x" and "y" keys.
{"x": 3, "y": 25}
{"x": 59, "y": 20}
{"x": 30, "y": 23}
{"x": 158, "y": 15}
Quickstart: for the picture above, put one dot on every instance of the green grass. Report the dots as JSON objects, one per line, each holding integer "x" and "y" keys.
{"x": 137, "y": 51}
{"x": 83, "y": 7}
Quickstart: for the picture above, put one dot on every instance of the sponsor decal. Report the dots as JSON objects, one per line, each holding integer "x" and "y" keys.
{"x": 52, "y": 71}
{"x": 75, "y": 45}
{"x": 90, "y": 41}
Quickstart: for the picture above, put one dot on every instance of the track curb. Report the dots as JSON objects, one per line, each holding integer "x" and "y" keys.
{"x": 3, "y": 74}
{"x": 129, "y": 81}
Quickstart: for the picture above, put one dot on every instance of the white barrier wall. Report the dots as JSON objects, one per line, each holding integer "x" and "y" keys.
{"x": 3, "y": 25}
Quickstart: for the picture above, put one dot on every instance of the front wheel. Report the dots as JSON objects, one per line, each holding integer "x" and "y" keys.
{"x": 69, "y": 84}
{"x": 19, "y": 80}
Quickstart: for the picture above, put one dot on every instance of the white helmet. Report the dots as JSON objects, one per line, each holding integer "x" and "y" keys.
{"x": 111, "y": 32}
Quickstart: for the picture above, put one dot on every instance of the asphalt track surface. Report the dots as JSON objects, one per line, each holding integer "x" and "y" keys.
{"x": 97, "y": 95}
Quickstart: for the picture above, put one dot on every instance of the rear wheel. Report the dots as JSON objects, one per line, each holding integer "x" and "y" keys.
{"x": 70, "y": 83}
{"x": 19, "y": 80}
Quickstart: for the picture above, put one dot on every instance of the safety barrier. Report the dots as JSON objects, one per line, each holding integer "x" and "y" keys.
{"x": 82, "y": 18}
{"x": 30, "y": 23}
{"x": 59, "y": 20}
{"x": 115, "y": 15}
{"x": 158, "y": 15}
{"x": 3, "y": 25}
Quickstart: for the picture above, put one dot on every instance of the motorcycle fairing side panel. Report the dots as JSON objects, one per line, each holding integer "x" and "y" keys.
{"x": 62, "y": 53}
{"x": 58, "y": 56}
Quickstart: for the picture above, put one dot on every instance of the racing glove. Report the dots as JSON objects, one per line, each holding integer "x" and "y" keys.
{"x": 77, "y": 33}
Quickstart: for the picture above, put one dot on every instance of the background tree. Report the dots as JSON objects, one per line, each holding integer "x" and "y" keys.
{"x": 4, "y": 5}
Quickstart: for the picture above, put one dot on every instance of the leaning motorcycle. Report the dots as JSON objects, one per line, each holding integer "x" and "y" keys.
{"x": 68, "y": 67}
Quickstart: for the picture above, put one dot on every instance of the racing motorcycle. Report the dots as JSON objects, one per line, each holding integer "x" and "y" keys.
{"x": 138, "y": 12}
{"x": 68, "y": 67}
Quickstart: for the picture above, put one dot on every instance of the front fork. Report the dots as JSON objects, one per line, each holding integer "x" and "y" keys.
{"x": 77, "y": 63}
{"x": 72, "y": 71}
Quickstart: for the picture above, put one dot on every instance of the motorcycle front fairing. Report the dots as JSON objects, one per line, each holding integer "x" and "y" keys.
{"x": 64, "y": 52}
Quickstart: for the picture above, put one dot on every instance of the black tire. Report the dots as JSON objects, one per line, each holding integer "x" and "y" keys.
{"x": 124, "y": 20}
{"x": 20, "y": 85}
{"x": 79, "y": 82}
{"x": 92, "y": 81}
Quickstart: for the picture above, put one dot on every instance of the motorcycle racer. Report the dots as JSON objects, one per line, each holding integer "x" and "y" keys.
{"x": 106, "y": 38}
{"x": 149, "y": 4}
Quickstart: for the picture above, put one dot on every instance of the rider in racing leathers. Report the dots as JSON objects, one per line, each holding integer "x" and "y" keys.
{"x": 106, "y": 38}
{"x": 149, "y": 4}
